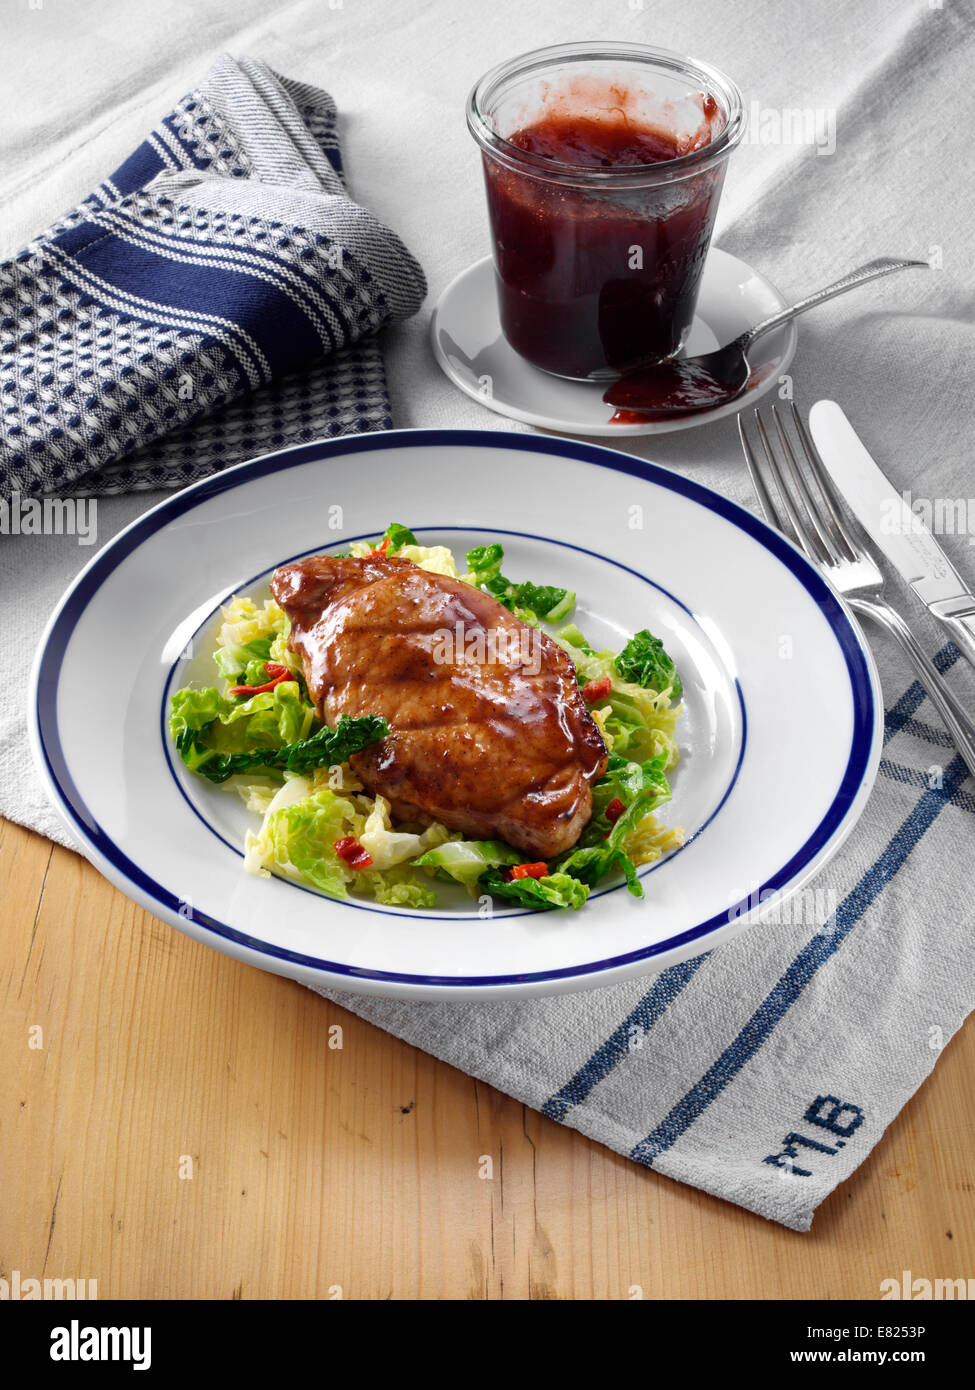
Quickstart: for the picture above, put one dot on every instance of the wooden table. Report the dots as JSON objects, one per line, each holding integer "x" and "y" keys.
{"x": 180, "y": 1128}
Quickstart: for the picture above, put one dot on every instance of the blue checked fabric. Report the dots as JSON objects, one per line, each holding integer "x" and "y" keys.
{"x": 765, "y": 1071}
{"x": 215, "y": 299}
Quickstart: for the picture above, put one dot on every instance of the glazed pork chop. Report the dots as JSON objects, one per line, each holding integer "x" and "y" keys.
{"x": 489, "y": 733}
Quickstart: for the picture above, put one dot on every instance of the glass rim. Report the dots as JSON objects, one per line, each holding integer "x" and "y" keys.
{"x": 711, "y": 79}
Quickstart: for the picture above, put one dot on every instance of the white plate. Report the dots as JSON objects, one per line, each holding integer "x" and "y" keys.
{"x": 780, "y": 742}
{"x": 471, "y": 349}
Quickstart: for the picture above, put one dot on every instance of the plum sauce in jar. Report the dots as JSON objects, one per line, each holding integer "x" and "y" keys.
{"x": 603, "y": 171}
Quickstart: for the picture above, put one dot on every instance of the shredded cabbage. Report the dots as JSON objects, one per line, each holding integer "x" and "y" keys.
{"x": 387, "y": 847}
{"x": 438, "y": 559}
{"x": 650, "y": 840}
{"x": 467, "y": 860}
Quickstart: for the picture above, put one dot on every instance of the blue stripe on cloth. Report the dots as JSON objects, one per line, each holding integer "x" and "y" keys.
{"x": 176, "y": 243}
{"x": 816, "y": 952}
{"x": 279, "y": 327}
{"x": 914, "y": 696}
{"x": 141, "y": 166}
{"x": 191, "y": 157}
{"x": 911, "y": 777}
{"x": 669, "y": 984}
{"x": 927, "y": 733}
{"x": 619, "y": 1044}
{"x": 653, "y": 1005}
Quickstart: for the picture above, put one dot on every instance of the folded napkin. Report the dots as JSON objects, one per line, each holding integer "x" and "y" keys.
{"x": 765, "y": 1071}
{"x": 215, "y": 299}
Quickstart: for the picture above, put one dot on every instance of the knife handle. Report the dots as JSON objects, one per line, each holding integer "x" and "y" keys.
{"x": 958, "y": 620}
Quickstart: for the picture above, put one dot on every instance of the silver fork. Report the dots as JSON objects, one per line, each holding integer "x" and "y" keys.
{"x": 808, "y": 512}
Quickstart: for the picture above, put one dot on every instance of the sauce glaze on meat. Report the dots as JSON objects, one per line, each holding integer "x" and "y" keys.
{"x": 489, "y": 733}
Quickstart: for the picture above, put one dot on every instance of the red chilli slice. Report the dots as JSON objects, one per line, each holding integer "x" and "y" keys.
{"x": 596, "y": 690}
{"x": 354, "y": 854}
{"x": 538, "y": 870}
{"x": 277, "y": 672}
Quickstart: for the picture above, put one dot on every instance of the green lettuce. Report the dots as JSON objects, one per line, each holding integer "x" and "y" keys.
{"x": 638, "y": 720}
{"x": 467, "y": 860}
{"x": 484, "y": 564}
{"x": 570, "y": 634}
{"x": 641, "y": 787}
{"x": 334, "y": 745}
{"x": 398, "y": 536}
{"x": 644, "y": 662}
{"x": 219, "y": 738}
{"x": 394, "y": 888}
{"x": 591, "y": 863}
{"x": 299, "y": 840}
{"x": 243, "y": 663}
{"x": 528, "y": 601}
{"x": 269, "y": 720}
{"x": 555, "y": 890}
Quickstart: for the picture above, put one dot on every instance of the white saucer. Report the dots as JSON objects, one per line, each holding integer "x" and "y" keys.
{"x": 471, "y": 349}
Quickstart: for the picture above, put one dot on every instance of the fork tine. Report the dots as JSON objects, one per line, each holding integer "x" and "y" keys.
{"x": 820, "y": 521}
{"x": 775, "y": 515}
{"x": 800, "y": 529}
{"x": 825, "y": 485}
{"x": 758, "y": 482}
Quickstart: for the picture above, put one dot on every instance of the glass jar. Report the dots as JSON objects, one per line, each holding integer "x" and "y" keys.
{"x": 603, "y": 168}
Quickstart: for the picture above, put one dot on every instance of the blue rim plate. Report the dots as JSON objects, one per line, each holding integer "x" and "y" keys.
{"x": 780, "y": 742}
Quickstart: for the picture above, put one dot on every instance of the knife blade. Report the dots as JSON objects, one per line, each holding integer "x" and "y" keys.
{"x": 893, "y": 526}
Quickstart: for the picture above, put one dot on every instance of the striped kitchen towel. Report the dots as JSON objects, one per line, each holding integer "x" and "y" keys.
{"x": 765, "y": 1071}
{"x": 215, "y": 299}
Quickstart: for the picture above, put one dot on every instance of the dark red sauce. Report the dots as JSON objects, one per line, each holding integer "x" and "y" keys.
{"x": 595, "y": 280}
{"x": 680, "y": 387}
{"x": 595, "y": 143}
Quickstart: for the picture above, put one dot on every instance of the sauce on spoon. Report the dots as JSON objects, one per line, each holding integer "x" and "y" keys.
{"x": 680, "y": 387}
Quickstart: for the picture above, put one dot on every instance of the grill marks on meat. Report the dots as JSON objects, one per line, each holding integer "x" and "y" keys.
{"x": 498, "y": 748}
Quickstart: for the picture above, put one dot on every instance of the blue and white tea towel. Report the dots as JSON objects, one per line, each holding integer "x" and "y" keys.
{"x": 215, "y": 299}
{"x": 765, "y": 1071}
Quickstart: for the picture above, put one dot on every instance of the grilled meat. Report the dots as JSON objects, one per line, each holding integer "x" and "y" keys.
{"x": 488, "y": 731}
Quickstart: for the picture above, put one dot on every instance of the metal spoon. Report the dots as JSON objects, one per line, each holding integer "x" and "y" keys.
{"x": 686, "y": 385}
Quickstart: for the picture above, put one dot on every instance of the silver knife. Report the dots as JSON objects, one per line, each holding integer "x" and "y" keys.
{"x": 898, "y": 531}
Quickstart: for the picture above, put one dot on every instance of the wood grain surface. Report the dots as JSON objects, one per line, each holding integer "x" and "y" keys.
{"x": 180, "y": 1127}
